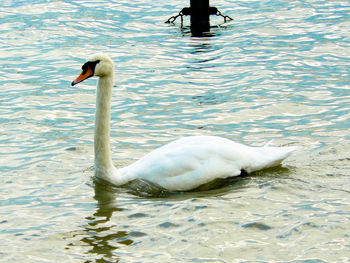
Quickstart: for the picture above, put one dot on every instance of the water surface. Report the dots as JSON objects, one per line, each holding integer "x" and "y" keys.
{"x": 279, "y": 71}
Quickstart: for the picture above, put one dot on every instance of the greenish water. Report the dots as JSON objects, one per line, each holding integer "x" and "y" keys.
{"x": 279, "y": 71}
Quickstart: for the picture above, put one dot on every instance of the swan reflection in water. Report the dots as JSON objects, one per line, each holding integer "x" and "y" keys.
{"x": 103, "y": 236}
{"x": 99, "y": 237}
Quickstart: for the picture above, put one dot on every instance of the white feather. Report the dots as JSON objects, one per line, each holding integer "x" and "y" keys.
{"x": 192, "y": 161}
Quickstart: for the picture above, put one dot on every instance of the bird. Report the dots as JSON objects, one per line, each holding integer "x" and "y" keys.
{"x": 181, "y": 165}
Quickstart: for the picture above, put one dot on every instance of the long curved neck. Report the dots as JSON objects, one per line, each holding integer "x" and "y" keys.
{"x": 103, "y": 161}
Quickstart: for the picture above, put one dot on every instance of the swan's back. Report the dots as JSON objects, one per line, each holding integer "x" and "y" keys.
{"x": 190, "y": 162}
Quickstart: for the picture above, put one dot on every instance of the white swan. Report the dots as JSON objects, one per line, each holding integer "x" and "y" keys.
{"x": 181, "y": 165}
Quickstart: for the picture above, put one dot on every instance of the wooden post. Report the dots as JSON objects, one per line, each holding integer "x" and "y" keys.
{"x": 199, "y": 17}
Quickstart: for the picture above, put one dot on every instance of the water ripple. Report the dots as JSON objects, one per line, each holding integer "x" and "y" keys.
{"x": 278, "y": 71}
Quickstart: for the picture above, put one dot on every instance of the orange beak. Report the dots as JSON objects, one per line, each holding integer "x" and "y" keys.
{"x": 85, "y": 74}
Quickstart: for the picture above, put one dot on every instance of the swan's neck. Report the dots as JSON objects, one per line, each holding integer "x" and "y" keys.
{"x": 103, "y": 161}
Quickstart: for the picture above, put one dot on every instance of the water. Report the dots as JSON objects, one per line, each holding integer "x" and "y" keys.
{"x": 279, "y": 71}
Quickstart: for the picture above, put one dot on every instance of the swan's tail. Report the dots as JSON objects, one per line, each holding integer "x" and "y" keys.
{"x": 278, "y": 154}
{"x": 270, "y": 156}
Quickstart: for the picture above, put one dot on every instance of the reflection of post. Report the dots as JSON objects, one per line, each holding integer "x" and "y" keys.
{"x": 199, "y": 17}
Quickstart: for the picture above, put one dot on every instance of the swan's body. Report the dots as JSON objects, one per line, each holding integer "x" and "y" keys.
{"x": 181, "y": 165}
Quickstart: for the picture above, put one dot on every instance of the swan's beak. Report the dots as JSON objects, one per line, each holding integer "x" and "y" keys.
{"x": 85, "y": 74}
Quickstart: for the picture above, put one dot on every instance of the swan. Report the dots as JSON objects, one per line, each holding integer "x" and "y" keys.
{"x": 181, "y": 165}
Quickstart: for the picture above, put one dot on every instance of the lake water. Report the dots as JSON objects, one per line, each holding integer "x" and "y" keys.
{"x": 279, "y": 71}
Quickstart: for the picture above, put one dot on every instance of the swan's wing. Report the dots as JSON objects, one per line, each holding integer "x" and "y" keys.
{"x": 193, "y": 161}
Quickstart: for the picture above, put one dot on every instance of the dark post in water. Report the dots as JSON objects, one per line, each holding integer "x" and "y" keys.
{"x": 199, "y": 17}
{"x": 199, "y": 12}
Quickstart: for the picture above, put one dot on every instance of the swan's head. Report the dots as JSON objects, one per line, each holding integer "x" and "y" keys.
{"x": 98, "y": 65}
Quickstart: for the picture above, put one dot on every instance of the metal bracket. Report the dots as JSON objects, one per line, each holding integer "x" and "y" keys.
{"x": 186, "y": 11}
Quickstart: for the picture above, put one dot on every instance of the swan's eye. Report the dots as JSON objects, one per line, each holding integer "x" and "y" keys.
{"x": 85, "y": 68}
